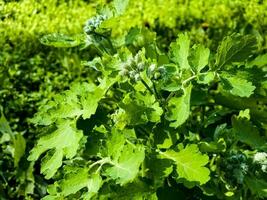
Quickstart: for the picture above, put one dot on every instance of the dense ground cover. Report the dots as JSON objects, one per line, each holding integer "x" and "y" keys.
{"x": 147, "y": 99}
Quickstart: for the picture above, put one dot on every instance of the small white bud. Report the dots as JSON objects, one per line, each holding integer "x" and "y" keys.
{"x": 161, "y": 69}
{"x": 152, "y": 68}
{"x": 137, "y": 77}
{"x": 157, "y": 75}
{"x": 260, "y": 157}
{"x": 132, "y": 74}
{"x": 123, "y": 72}
{"x": 141, "y": 66}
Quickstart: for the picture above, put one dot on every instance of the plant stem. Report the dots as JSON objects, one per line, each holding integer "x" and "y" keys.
{"x": 146, "y": 85}
{"x": 101, "y": 162}
{"x": 156, "y": 92}
{"x": 170, "y": 96}
{"x": 189, "y": 79}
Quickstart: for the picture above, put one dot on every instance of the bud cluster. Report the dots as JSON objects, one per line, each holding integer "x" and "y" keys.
{"x": 93, "y": 23}
{"x": 237, "y": 167}
{"x": 156, "y": 73}
{"x": 260, "y": 158}
{"x": 132, "y": 67}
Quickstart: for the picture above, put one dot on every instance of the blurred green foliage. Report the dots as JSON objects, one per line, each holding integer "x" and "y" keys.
{"x": 206, "y": 20}
{"x": 30, "y": 72}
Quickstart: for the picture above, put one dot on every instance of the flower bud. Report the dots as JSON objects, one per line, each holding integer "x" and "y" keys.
{"x": 137, "y": 77}
{"x": 152, "y": 68}
{"x": 125, "y": 66}
{"x": 124, "y": 72}
{"x": 161, "y": 70}
{"x": 132, "y": 74}
{"x": 141, "y": 66}
{"x": 157, "y": 75}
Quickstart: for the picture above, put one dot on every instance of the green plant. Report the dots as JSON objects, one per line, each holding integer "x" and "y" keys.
{"x": 146, "y": 114}
{"x": 156, "y": 123}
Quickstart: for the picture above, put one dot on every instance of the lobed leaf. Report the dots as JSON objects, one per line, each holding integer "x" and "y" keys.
{"x": 75, "y": 180}
{"x": 179, "y": 51}
{"x": 235, "y": 48}
{"x": 199, "y": 58}
{"x": 247, "y": 133}
{"x": 179, "y": 108}
{"x": 190, "y": 163}
{"x": 126, "y": 167}
{"x": 64, "y": 141}
{"x": 237, "y": 86}
{"x": 61, "y": 40}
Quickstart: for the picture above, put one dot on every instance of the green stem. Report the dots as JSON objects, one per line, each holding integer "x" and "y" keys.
{"x": 169, "y": 97}
{"x": 101, "y": 162}
{"x": 130, "y": 143}
{"x": 146, "y": 85}
{"x": 183, "y": 83}
{"x": 156, "y": 92}
{"x": 189, "y": 79}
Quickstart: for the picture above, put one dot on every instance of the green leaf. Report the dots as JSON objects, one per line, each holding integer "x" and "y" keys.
{"x": 138, "y": 190}
{"x": 215, "y": 116}
{"x": 179, "y": 108}
{"x": 122, "y": 159}
{"x": 74, "y": 180}
{"x": 51, "y": 162}
{"x": 19, "y": 143}
{"x": 80, "y": 179}
{"x": 218, "y": 146}
{"x": 163, "y": 169}
{"x": 115, "y": 143}
{"x": 259, "y": 61}
{"x": 165, "y": 138}
{"x": 254, "y": 104}
{"x": 50, "y": 197}
{"x": 206, "y": 78}
{"x": 64, "y": 141}
{"x": 138, "y": 108}
{"x": 136, "y": 113}
{"x": 19, "y": 148}
{"x": 126, "y": 167}
{"x": 89, "y": 101}
{"x": 81, "y": 100}
{"x": 235, "y": 48}
{"x": 179, "y": 51}
{"x": 237, "y": 86}
{"x": 247, "y": 133}
{"x": 257, "y": 186}
{"x": 189, "y": 163}
{"x": 199, "y": 58}
{"x": 133, "y": 35}
{"x": 172, "y": 85}
{"x": 169, "y": 80}
{"x": 4, "y": 126}
{"x": 61, "y": 40}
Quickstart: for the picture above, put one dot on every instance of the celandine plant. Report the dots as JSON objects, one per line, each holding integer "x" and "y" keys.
{"x": 154, "y": 123}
